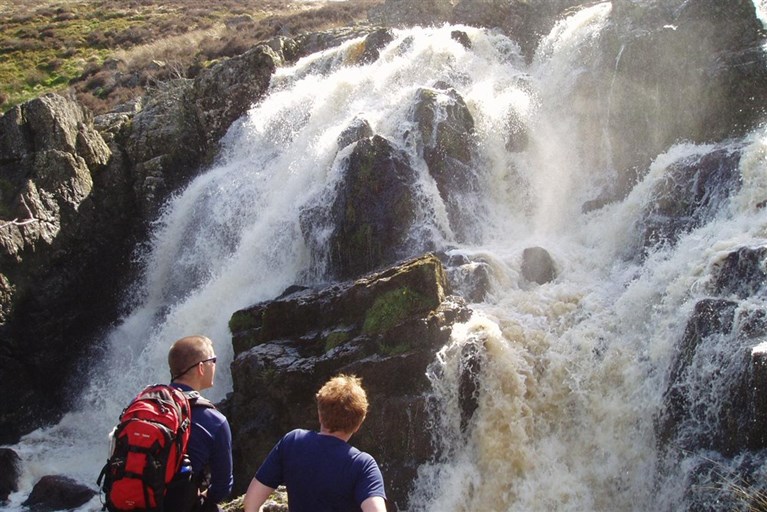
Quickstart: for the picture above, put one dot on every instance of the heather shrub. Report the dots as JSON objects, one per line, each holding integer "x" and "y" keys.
{"x": 47, "y": 49}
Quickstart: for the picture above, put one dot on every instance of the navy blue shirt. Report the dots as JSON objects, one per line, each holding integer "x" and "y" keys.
{"x": 321, "y": 473}
{"x": 210, "y": 444}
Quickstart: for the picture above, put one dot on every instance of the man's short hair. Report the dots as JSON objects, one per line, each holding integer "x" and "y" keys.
{"x": 342, "y": 404}
{"x": 187, "y": 352}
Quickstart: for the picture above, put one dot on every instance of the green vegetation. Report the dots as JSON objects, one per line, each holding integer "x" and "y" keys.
{"x": 241, "y": 321}
{"x": 109, "y": 52}
{"x": 335, "y": 338}
{"x": 392, "y": 308}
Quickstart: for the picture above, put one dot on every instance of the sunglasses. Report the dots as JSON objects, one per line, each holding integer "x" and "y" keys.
{"x": 209, "y": 360}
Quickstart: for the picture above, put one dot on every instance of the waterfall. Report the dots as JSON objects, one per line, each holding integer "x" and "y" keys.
{"x": 573, "y": 371}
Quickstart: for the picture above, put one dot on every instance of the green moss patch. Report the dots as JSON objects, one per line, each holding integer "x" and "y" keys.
{"x": 391, "y": 308}
{"x": 335, "y": 339}
{"x": 241, "y": 321}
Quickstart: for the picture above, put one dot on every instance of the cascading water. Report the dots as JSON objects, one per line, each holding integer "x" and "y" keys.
{"x": 573, "y": 371}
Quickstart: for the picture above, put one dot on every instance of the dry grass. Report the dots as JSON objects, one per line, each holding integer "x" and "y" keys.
{"x": 108, "y": 52}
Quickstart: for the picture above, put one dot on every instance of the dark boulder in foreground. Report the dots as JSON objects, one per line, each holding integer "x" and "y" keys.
{"x": 10, "y": 471}
{"x": 56, "y": 492}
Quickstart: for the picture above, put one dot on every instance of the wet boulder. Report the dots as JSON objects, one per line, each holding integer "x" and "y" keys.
{"x": 741, "y": 273}
{"x": 688, "y": 194}
{"x": 10, "y": 471}
{"x": 374, "y": 43}
{"x": 56, "y": 492}
{"x": 538, "y": 266}
{"x": 469, "y": 276}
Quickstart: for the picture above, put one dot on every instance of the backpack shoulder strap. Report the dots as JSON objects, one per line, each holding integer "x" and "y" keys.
{"x": 197, "y": 400}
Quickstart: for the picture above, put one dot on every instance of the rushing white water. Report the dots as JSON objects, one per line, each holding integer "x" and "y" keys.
{"x": 574, "y": 370}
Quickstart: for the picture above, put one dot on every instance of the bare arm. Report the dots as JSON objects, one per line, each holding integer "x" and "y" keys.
{"x": 256, "y": 495}
{"x": 374, "y": 504}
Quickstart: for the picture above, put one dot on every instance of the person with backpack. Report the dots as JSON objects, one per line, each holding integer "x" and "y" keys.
{"x": 171, "y": 449}
{"x": 192, "y": 364}
{"x": 321, "y": 470}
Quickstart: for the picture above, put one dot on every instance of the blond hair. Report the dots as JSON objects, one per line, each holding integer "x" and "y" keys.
{"x": 187, "y": 352}
{"x": 342, "y": 404}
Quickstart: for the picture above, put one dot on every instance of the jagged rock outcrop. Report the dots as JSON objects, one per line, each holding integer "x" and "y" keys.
{"x": 178, "y": 129}
{"x": 50, "y": 159}
{"x": 446, "y": 130}
{"x": 384, "y": 324}
{"x": 372, "y": 212}
{"x": 48, "y": 150}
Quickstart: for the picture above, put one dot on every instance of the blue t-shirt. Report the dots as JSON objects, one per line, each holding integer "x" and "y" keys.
{"x": 321, "y": 473}
{"x": 210, "y": 444}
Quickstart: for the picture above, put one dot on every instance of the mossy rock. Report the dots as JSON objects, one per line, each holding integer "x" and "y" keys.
{"x": 393, "y": 307}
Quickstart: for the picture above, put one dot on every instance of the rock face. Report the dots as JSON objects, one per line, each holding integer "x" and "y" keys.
{"x": 373, "y": 218}
{"x": 688, "y": 195}
{"x": 524, "y": 20}
{"x": 710, "y": 94}
{"x": 378, "y": 326}
{"x": 76, "y": 194}
{"x": 714, "y": 403}
{"x": 51, "y": 157}
{"x": 412, "y": 12}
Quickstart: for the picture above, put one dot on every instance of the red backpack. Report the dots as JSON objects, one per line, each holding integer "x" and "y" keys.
{"x": 149, "y": 446}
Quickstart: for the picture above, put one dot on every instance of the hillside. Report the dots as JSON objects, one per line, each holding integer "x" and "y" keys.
{"x": 108, "y": 52}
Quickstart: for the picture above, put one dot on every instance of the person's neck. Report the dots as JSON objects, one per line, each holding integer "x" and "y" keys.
{"x": 343, "y": 436}
{"x": 189, "y": 383}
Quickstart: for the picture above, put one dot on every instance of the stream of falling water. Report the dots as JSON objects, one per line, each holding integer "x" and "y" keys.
{"x": 573, "y": 370}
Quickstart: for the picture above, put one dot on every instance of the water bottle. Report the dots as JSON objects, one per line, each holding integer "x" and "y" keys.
{"x": 185, "y": 472}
